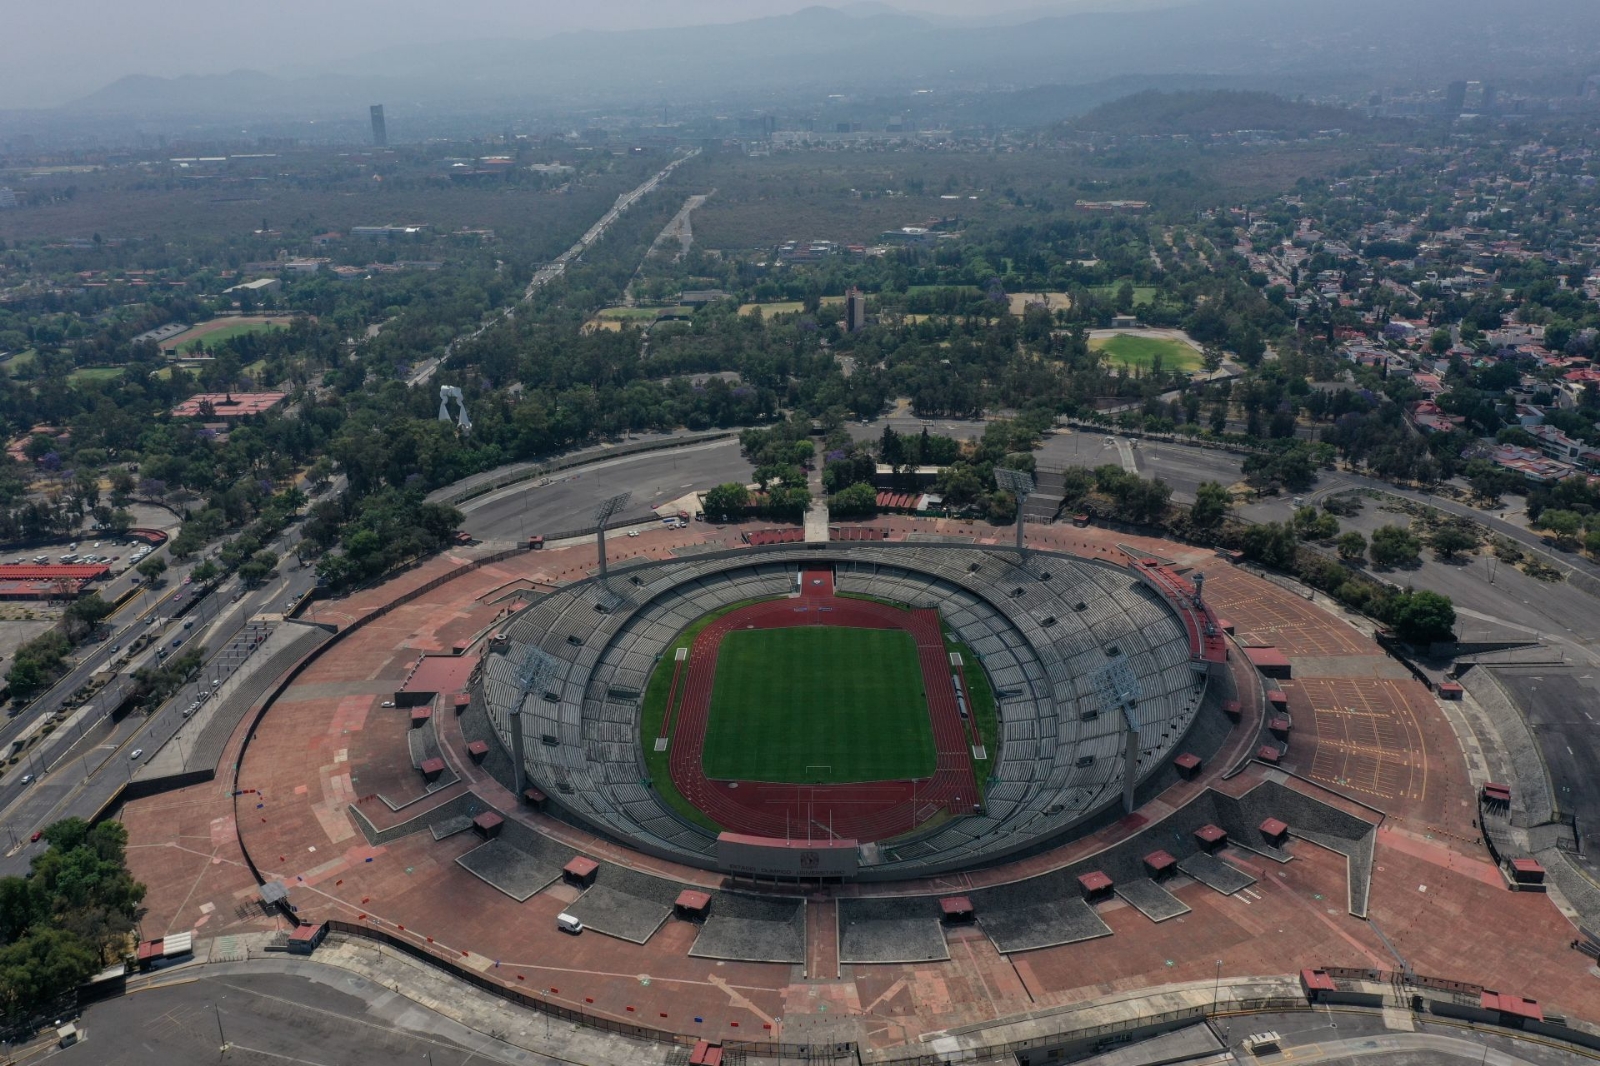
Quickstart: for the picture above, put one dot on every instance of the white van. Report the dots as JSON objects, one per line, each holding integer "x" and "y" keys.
{"x": 568, "y": 924}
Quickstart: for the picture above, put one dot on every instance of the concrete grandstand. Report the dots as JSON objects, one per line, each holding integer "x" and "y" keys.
{"x": 1052, "y": 632}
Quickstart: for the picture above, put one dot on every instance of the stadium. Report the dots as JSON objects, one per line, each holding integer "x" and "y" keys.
{"x": 902, "y": 795}
{"x": 916, "y": 709}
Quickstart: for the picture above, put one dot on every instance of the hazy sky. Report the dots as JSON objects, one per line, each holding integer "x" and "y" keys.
{"x": 57, "y": 50}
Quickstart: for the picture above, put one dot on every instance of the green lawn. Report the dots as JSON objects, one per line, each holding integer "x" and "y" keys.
{"x": 818, "y": 705}
{"x": 654, "y": 707}
{"x": 18, "y": 360}
{"x": 1127, "y": 349}
{"x": 1142, "y": 294}
{"x": 631, "y": 314}
{"x": 237, "y": 329}
{"x": 95, "y": 373}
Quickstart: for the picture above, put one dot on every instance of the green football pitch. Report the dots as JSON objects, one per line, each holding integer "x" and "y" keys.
{"x": 818, "y": 705}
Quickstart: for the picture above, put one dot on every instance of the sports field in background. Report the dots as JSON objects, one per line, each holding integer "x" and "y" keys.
{"x": 1127, "y": 349}
{"x": 211, "y": 334}
{"x": 818, "y": 705}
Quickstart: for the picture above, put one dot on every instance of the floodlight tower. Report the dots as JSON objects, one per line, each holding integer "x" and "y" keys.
{"x": 602, "y": 515}
{"x": 533, "y": 675}
{"x": 1020, "y": 484}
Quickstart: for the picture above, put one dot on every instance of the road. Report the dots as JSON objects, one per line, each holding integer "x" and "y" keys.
{"x": 80, "y": 766}
{"x": 92, "y": 658}
{"x": 556, "y": 267}
{"x": 1364, "y": 1038}
{"x": 566, "y": 500}
{"x": 279, "y": 1018}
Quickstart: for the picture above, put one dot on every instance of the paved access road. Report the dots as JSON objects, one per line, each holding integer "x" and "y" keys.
{"x": 278, "y": 1018}
{"x": 1364, "y": 1038}
{"x": 566, "y": 500}
{"x": 80, "y": 767}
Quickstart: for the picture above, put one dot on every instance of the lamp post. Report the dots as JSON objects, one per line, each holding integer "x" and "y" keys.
{"x": 1020, "y": 484}
{"x": 603, "y": 514}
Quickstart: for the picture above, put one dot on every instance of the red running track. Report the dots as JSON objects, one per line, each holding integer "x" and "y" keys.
{"x": 866, "y": 812}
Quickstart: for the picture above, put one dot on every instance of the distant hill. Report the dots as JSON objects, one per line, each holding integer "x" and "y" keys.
{"x": 1200, "y": 114}
{"x": 823, "y": 53}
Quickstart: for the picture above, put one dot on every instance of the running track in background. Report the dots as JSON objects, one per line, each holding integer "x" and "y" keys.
{"x": 866, "y": 812}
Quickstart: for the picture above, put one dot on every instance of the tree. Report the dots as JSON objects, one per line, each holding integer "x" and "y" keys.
{"x": 258, "y": 567}
{"x": 1393, "y": 546}
{"x": 1450, "y": 539}
{"x": 152, "y": 568}
{"x": 205, "y": 571}
{"x": 1313, "y": 524}
{"x": 854, "y": 501}
{"x": 727, "y": 502}
{"x": 1292, "y": 468}
{"x": 1423, "y": 617}
{"x": 82, "y": 615}
{"x": 1352, "y": 547}
{"x": 1271, "y": 543}
{"x": 73, "y": 913}
{"x": 1211, "y": 505}
{"x": 1564, "y": 524}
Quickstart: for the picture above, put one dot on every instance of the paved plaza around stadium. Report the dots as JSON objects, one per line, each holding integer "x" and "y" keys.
{"x": 1370, "y": 743}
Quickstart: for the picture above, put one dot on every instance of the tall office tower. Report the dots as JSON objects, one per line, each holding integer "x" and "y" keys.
{"x": 855, "y": 310}
{"x": 380, "y": 133}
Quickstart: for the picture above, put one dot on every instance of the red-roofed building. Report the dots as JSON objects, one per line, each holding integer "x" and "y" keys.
{"x": 30, "y": 582}
{"x": 1513, "y": 1010}
{"x": 1431, "y": 418}
{"x": 581, "y": 871}
{"x": 478, "y": 750}
{"x": 228, "y": 405}
{"x": 1188, "y": 765}
{"x": 1531, "y": 465}
{"x": 1271, "y": 662}
{"x": 1095, "y": 885}
{"x": 488, "y": 823}
{"x": 1273, "y": 831}
{"x": 692, "y": 905}
{"x": 1160, "y": 864}
{"x": 303, "y": 939}
{"x": 1314, "y": 983}
{"x": 956, "y": 909}
{"x": 148, "y": 954}
{"x": 1210, "y": 837}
